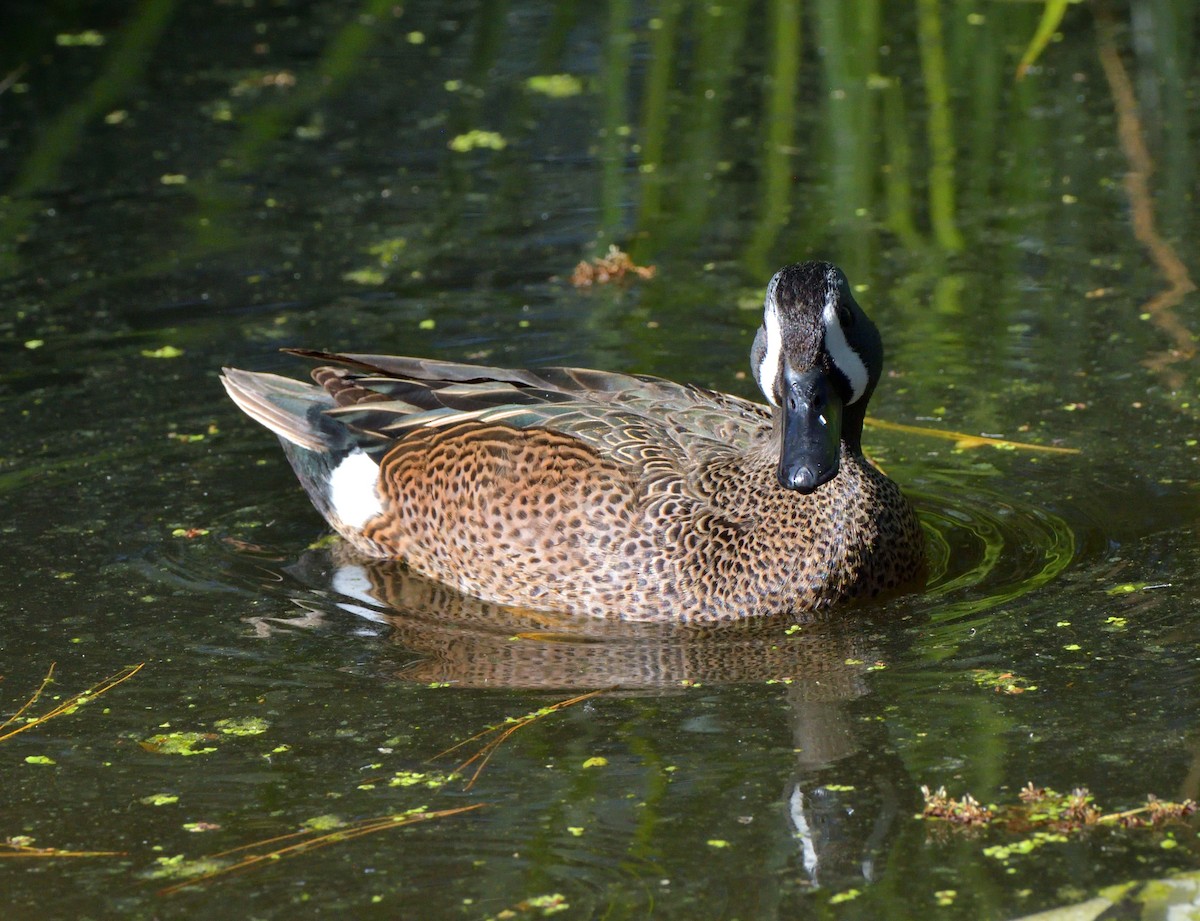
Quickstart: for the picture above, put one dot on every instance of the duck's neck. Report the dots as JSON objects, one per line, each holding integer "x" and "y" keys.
{"x": 853, "y": 417}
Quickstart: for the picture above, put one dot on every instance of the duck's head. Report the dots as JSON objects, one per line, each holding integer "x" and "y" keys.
{"x": 817, "y": 358}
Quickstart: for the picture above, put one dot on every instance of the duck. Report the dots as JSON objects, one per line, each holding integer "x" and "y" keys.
{"x": 606, "y": 494}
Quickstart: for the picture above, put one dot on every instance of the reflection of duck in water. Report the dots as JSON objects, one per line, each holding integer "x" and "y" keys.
{"x": 589, "y": 492}
{"x": 848, "y": 788}
{"x": 441, "y": 635}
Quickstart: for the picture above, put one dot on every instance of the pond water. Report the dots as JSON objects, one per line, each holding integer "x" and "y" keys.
{"x": 194, "y": 185}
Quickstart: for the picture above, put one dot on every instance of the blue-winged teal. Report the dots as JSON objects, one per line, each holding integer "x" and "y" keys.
{"x": 607, "y": 494}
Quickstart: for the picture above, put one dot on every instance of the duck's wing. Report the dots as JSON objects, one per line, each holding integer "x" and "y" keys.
{"x": 625, "y": 417}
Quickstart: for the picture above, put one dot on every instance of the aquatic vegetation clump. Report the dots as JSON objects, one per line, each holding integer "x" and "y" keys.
{"x": 556, "y": 86}
{"x": 1069, "y": 811}
{"x": 966, "y": 811}
{"x": 1043, "y": 810}
{"x": 179, "y": 743}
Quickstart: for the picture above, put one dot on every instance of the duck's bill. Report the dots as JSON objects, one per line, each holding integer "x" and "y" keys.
{"x": 812, "y": 431}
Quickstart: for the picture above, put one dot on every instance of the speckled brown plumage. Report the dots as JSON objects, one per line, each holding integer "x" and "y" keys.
{"x": 594, "y": 493}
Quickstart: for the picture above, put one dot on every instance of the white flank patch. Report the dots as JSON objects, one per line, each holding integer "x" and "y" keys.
{"x": 847, "y": 360}
{"x": 768, "y": 370}
{"x": 352, "y": 491}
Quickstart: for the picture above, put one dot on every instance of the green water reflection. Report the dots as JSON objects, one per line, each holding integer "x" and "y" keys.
{"x": 226, "y": 179}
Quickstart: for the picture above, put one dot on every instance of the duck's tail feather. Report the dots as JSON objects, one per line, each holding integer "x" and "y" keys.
{"x": 293, "y": 410}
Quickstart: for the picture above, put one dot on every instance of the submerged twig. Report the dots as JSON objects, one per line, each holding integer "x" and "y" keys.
{"x": 313, "y": 841}
{"x": 67, "y": 706}
{"x": 33, "y": 698}
{"x": 502, "y": 732}
{"x": 12, "y": 77}
{"x": 964, "y": 440}
{"x": 14, "y": 848}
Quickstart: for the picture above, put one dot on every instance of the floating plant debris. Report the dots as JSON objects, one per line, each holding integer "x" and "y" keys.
{"x": 1043, "y": 809}
{"x": 615, "y": 265}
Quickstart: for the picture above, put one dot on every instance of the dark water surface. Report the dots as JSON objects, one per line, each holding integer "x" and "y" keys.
{"x": 192, "y": 185}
